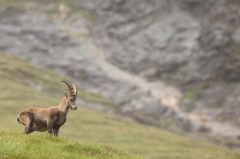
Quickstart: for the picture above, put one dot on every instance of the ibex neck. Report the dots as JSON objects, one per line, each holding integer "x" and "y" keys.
{"x": 63, "y": 106}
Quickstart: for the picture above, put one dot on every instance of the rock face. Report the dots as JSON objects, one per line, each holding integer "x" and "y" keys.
{"x": 190, "y": 44}
{"x": 151, "y": 38}
{"x": 165, "y": 63}
{"x": 177, "y": 41}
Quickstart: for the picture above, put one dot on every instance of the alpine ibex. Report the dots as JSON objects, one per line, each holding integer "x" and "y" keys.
{"x": 50, "y": 119}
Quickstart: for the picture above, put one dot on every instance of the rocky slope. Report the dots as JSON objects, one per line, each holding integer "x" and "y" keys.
{"x": 165, "y": 63}
{"x": 191, "y": 44}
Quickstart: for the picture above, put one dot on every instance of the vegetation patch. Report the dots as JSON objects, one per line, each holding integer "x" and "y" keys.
{"x": 13, "y": 144}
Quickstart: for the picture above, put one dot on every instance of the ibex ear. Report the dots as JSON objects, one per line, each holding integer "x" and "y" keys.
{"x": 66, "y": 95}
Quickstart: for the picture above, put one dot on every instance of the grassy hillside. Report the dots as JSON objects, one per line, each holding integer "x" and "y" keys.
{"x": 14, "y": 144}
{"x": 24, "y": 85}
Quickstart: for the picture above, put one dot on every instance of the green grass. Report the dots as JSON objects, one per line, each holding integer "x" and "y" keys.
{"x": 15, "y": 145}
{"x": 18, "y": 91}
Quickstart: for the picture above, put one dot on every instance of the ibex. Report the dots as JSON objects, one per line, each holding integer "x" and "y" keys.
{"x": 50, "y": 119}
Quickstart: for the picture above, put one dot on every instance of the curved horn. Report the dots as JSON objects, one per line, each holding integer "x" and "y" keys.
{"x": 71, "y": 88}
{"x": 74, "y": 89}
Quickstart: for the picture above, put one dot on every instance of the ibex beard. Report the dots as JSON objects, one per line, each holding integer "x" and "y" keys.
{"x": 50, "y": 119}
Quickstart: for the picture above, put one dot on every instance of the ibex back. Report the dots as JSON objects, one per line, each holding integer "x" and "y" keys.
{"x": 50, "y": 119}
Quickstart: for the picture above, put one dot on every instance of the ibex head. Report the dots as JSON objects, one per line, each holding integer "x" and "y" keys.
{"x": 71, "y": 98}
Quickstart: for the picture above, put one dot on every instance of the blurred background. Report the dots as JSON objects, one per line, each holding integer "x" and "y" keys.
{"x": 169, "y": 65}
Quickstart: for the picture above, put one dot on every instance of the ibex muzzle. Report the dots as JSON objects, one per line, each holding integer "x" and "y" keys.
{"x": 50, "y": 119}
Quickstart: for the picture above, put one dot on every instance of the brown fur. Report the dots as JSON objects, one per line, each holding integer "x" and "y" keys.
{"x": 50, "y": 119}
